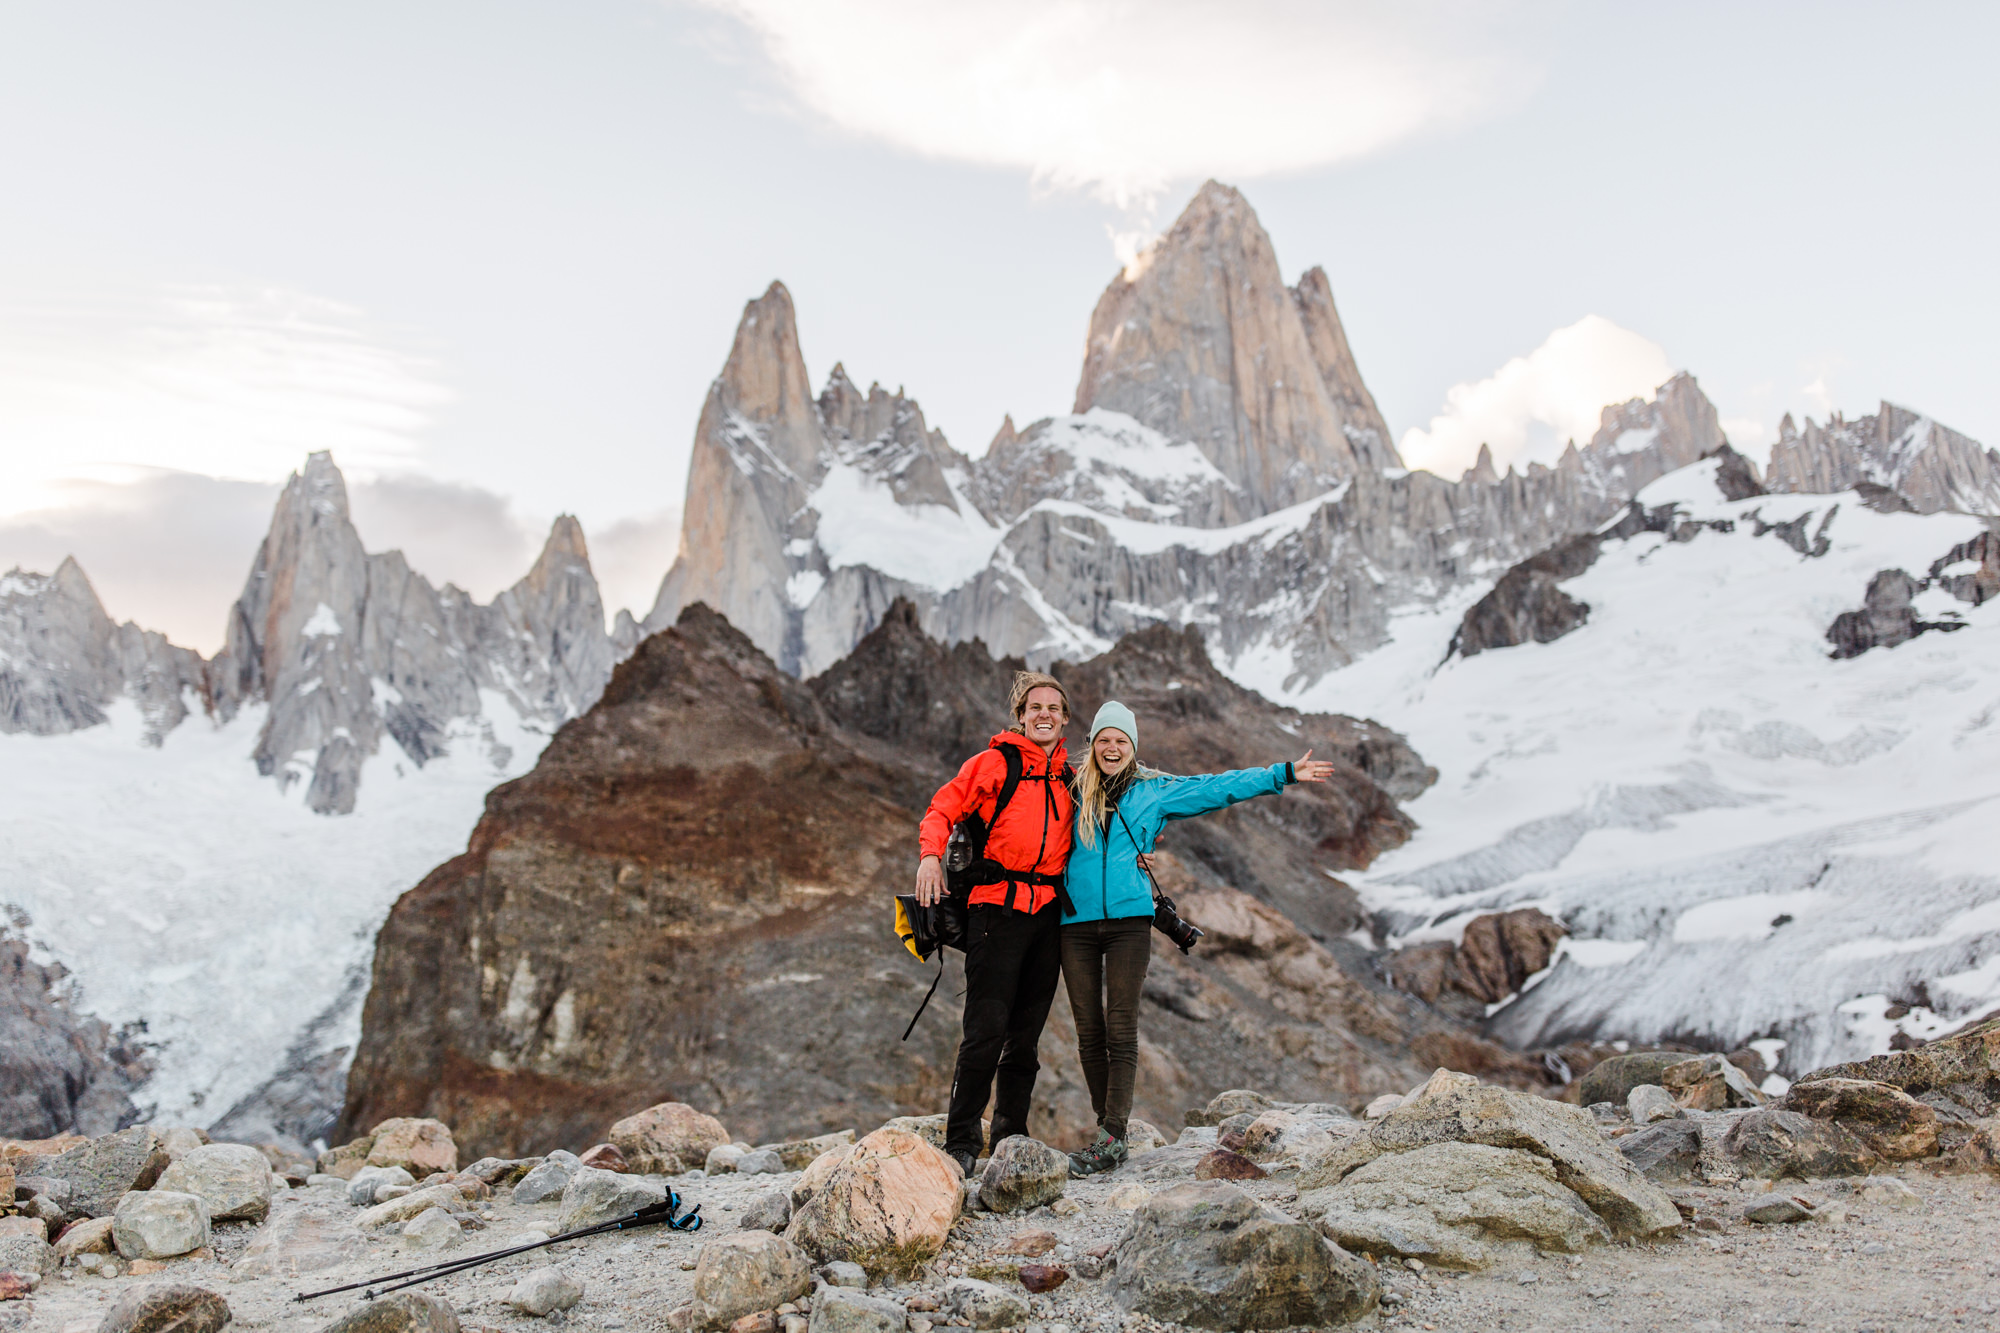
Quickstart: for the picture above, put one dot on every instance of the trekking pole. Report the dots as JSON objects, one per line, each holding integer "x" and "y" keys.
{"x": 664, "y": 1213}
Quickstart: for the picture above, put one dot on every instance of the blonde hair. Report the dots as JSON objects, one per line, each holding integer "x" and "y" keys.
{"x": 1025, "y": 682}
{"x": 1093, "y": 797}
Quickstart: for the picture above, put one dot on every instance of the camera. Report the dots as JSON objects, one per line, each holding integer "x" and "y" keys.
{"x": 1168, "y": 922}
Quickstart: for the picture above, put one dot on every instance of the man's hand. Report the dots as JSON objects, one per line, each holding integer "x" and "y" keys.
{"x": 930, "y": 880}
{"x": 1310, "y": 770}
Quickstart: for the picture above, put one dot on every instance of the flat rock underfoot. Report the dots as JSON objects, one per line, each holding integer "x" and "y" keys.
{"x": 1881, "y": 1268}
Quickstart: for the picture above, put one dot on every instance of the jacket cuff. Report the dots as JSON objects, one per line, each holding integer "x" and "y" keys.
{"x": 1290, "y": 777}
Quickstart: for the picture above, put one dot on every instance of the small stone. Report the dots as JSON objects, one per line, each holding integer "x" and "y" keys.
{"x": 1779, "y": 1209}
{"x": 22, "y": 1247}
{"x": 1128, "y": 1196}
{"x": 983, "y": 1305}
{"x": 605, "y": 1157}
{"x": 543, "y": 1290}
{"x": 1382, "y": 1105}
{"x": 1528, "y": 1279}
{"x": 1039, "y": 1278}
{"x": 1230, "y": 1131}
{"x": 363, "y": 1188}
{"x": 594, "y": 1196}
{"x": 432, "y": 1230}
{"x": 1023, "y": 1173}
{"x": 1065, "y": 1207}
{"x": 798, "y": 1154}
{"x": 169, "y": 1308}
{"x": 18, "y": 1286}
{"x": 1874, "y": 1247}
{"x": 722, "y": 1158}
{"x": 1236, "y": 1101}
{"x": 159, "y": 1224}
{"x": 1029, "y": 1244}
{"x": 1222, "y": 1164}
{"x": 760, "y": 1162}
{"x": 1650, "y": 1102}
{"x": 403, "y": 1312}
{"x": 1142, "y": 1136}
{"x": 347, "y": 1158}
{"x": 396, "y": 1209}
{"x": 746, "y": 1272}
{"x": 1889, "y": 1191}
{"x": 841, "y": 1273}
{"x": 419, "y": 1146}
{"x": 845, "y": 1310}
{"x": 761, "y": 1321}
{"x": 767, "y": 1212}
{"x": 498, "y": 1171}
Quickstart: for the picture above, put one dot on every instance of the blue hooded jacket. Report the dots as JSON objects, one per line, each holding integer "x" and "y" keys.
{"x": 1104, "y": 882}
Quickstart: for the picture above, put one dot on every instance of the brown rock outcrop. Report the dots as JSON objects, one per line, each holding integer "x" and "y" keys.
{"x": 1497, "y": 952}
{"x": 686, "y": 900}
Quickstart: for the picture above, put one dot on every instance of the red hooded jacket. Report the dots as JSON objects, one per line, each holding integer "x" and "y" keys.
{"x": 1033, "y": 832}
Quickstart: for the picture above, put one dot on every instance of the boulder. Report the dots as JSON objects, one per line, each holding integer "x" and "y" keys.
{"x": 1456, "y": 1205}
{"x": 1612, "y": 1080}
{"x": 815, "y": 1175}
{"x": 766, "y": 1212}
{"x": 1669, "y": 1150}
{"x": 605, "y": 1157}
{"x": 798, "y": 1154}
{"x": 1964, "y": 1066}
{"x": 887, "y": 1204}
{"x": 1778, "y": 1210}
{"x": 101, "y": 1171}
{"x": 1709, "y": 1083}
{"x": 1142, "y": 1136}
{"x": 166, "y": 1308}
{"x": 1023, "y": 1173}
{"x": 838, "y": 1310}
{"x": 233, "y": 1179}
{"x": 1211, "y": 1256}
{"x": 1650, "y": 1102}
{"x": 1894, "y": 1125}
{"x": 406, "y": 1206}
{"x": 543, "y": 1290}
{"x": 159, "y": 1224}
{"x": 300, "y": 1237}
{"x": 419, "y": 1146}
{"x": 431, "y": 1231}
{"x": 404, "y": 1312}
{"x": 841, "y": 1273}
{"x": 1774, "y": 1145}
{"x": 594, "y": 1196}
{"x": 1565, "y": 1135}
{"x": 24, "y": 1246}
{"x": 90, "y": 1236}
{"x": 548, "y": 1180}
{"x": 346, "y": 1159}
{"x": 667, "y": 1139}
{"x": 1039, "y": 1278}
{"x": 498, "y": 1171}
{"x": 741, "y": 1274}
{"x": 1236, "y": 1101}
{"x": 983, "y": 1305}
{"x": 363, "y": 1189}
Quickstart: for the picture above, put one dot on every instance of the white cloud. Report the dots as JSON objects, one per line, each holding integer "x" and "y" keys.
{"x": 1530, "y": 408}
{"x": 226, "y": 383}
{"x": 1123, "y": 97}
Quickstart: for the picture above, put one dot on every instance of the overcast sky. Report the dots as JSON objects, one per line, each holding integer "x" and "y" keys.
{"x": 492, "y": 252}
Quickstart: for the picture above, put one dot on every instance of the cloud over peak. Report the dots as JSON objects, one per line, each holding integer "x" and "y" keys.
{"x": 1122, "y": 98}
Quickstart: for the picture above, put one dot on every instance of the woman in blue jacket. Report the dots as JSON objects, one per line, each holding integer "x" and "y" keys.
{"x": 1121, "y": 807}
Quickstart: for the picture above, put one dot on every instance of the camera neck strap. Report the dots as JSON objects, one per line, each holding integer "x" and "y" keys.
{"x": 1157, "y": 895}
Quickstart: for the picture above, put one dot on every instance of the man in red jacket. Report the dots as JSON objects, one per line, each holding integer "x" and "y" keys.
{"x": 1013, "y": 951}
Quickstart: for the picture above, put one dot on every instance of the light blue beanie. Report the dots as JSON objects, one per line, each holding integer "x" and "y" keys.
{"x": 1115, "y": 714}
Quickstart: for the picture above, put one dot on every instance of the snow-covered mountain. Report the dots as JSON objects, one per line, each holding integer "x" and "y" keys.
{"x": 1760, "y": 823}
{"x": 209, "y": 847}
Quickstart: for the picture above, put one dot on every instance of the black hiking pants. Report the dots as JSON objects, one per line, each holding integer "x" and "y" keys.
{"x": 1104, "y": 971}
{"x": 1012, "y": 962}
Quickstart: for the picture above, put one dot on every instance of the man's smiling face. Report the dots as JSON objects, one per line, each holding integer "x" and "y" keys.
{"x": 1044, "y": 715}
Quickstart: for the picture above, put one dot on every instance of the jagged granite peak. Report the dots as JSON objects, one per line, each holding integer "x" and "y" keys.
{"x": 1201, "y": 340}
{"x": 1931, "y": 466}
{"x": 1366, "y": 428}
{"x": 885, "y": 435}
{"x": 63, "y": 661}
{"x": 545, "y": 641}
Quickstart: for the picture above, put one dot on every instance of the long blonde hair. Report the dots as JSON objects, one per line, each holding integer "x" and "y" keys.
{"x": 1094, "y": 789}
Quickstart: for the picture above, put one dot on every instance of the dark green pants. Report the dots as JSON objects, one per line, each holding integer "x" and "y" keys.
{"x": 1104, "y": 971}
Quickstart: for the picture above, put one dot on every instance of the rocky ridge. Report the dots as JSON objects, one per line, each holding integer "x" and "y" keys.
{"x": 688, "y": 892}
{"x": 341, "y": 648}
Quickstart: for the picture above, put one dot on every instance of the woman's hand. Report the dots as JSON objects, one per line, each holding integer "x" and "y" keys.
{"x": 1144, "y": 860}
{"x": 930, "y": 880}
{"x": 1309, "y": 769}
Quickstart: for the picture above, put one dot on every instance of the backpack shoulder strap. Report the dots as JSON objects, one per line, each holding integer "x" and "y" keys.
{"x": 1012, "y": 757}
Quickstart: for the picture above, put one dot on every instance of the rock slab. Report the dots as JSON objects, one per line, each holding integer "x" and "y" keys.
{"x": 594, "y": 1196}
{"x": 1210, "y": 1256}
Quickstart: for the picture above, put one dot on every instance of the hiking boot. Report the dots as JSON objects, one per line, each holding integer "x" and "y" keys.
{"x": 965, "y": 1163}
{"x": 1107, "y": 1154}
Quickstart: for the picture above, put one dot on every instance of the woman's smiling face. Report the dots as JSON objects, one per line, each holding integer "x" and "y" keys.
{"x": 1112, "y": 749}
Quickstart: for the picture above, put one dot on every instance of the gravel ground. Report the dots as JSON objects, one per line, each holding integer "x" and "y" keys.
{"x": 1876, "y": 1267}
